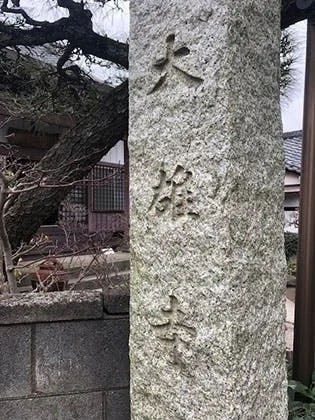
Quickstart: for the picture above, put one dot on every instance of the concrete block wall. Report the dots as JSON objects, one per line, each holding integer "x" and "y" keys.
{"x": 64, "y": 356}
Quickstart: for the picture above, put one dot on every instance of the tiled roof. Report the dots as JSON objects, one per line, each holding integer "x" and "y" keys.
{"x": 293, "y": 150}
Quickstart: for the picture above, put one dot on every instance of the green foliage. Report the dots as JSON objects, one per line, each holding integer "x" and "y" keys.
{"x": 304, "y": 409}
{"x": 287, "y": 60}
{"x": 29, "y": 85}
{"x": 290, "y": 244}
{"x": 292, "y": 266}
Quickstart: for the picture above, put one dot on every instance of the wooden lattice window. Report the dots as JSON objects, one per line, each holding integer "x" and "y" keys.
{"x": 108, "y": 188}
{"x": 75, "y": 207}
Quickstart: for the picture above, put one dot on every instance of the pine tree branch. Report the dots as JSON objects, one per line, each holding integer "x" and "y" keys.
{"x": 22, "y": 12}
{"x": 77, "y": 29}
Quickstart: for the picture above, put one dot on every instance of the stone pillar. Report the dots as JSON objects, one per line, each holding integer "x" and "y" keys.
{"x": 206, "y": 167}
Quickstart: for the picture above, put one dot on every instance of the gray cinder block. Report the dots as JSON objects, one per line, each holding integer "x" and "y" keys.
{"x": 50, "y": 307}
{"x": 86, "y": 355}
{"x": 65, "y": 407}
{"x": 117, "y": 405}
{"x": 15, "y": 361}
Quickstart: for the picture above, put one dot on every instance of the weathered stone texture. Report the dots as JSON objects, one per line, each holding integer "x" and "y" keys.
{"x": 57, "y": 306}
{"x": 207, "y": 286}
{"x": 117, "y": 405}
{"x": 81, "y": 356}
{"x": 15, "y": 361}
{"x": 62, "y": 407}
{"x": 117, "y": 302}
{"x": 56, "y": 368}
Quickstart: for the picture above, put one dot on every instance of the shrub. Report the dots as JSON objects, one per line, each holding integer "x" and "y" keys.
{"x": 301, "y": 400}
{"x": 290, "y": 244}
{"x": 292, "y": 266}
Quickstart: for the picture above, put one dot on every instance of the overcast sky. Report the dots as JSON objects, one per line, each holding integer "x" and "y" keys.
{"x": 292, "y": 106}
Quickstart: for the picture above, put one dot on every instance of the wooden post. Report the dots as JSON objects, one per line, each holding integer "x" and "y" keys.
{"x": 303, "y": 355}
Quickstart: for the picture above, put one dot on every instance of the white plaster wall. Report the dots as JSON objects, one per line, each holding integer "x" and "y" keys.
{"x": 116, "y": 154}
{"x": 291, "y": 178}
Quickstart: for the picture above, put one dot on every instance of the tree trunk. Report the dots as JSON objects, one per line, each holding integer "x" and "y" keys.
{"x": 67, "y": 161}
{"x": 6, "y": 250}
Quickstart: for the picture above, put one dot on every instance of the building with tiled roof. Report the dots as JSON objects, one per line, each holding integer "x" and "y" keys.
{"x": 293, "y": 151}
{"x": 292, "y": 143}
